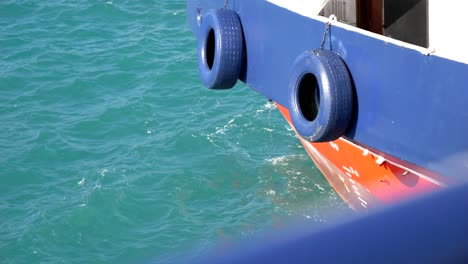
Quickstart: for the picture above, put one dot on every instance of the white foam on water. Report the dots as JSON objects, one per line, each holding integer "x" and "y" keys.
{"x": 319, "y": 187}
{"x": 230, "y": 124}
{"x": 270, "y": 105}
{"x": 103, "y": 172}
{"x": 81, "y": 182}
{"x": 283, "y": 160}
{"x": 278, "y": 160}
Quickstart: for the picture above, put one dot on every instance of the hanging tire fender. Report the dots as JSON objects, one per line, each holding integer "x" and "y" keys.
{"x": 321, "y": 96}
{"x": 220, "y": 48}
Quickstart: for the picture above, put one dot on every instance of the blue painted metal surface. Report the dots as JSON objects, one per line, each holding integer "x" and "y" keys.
{"x": 409, "y": 105}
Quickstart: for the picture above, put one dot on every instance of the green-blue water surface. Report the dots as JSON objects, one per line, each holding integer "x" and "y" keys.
{"x": 111, "y": 151}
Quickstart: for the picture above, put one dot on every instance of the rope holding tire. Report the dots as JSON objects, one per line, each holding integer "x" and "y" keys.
{"x": 220, "y": 48}
{"x": 321, "y": 96}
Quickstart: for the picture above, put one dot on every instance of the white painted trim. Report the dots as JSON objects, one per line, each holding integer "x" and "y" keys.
{"x": 447, "y": 24}
{"x": 308, "y": 9}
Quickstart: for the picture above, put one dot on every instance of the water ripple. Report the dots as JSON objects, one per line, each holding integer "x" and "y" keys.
{"x": 112, "y": 151}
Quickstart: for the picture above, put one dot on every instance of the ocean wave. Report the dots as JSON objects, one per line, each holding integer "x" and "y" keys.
{"x": 112, "y": 149}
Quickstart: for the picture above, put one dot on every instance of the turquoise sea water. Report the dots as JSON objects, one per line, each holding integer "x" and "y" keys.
{"x": 111, "y": 151}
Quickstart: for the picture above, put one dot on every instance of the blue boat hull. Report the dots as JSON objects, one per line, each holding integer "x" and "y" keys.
{"x": 408, "y": 105}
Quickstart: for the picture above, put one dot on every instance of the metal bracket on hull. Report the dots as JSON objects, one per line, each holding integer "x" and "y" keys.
{"x": 380, "y": 160}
